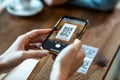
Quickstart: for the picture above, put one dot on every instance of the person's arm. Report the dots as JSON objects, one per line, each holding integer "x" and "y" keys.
{"x": 67, "y": 61}
{"x": 26, "y": 46}
{"x": 102, "y": 5}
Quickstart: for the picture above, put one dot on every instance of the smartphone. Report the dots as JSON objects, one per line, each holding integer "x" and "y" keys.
{"x": 66, "y": 30}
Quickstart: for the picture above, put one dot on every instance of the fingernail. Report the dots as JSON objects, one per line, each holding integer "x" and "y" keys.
{"x": 44, "y": 52}
{"x": 76, "y": 41}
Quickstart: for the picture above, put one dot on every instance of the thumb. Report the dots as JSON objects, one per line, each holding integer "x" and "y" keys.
{"x": 35, "y": 54}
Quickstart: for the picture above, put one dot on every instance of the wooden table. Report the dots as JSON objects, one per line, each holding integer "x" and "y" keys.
{"x": 103, "y": 33}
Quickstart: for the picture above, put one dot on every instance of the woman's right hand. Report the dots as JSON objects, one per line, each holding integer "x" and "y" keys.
{"x": 68, "y": 61}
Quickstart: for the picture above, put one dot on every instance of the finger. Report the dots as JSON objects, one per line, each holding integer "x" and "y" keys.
{"x": 34, "y": 46}
{"x": 34, "y": 33}
{"x": 34, "y": 54}
{"x": 77, "y": 44}
{"x": 80, "y": 55}
{"x": 70, "y": 51}
{"x": 26, "y": 38}
{"x": 75, "y": 47}
{"x": 15, "y": 58}
{"x": 39, "y": 38}
{"x": 54, "y": 56}
{"x": 38, "y": 32}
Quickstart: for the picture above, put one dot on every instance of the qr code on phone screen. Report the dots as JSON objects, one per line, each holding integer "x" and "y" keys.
{"x": 66, "y": 32}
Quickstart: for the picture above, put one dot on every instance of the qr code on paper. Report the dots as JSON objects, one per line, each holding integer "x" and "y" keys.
{"x": 90, "y": 55}
{"x": 66, "y": 32}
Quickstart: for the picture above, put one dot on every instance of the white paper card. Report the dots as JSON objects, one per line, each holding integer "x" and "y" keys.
{"x": 22, "y": 71}
{"x": 90, "y": 55}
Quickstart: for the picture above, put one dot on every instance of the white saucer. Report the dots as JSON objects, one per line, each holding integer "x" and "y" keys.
{"x": 35, "y": 7}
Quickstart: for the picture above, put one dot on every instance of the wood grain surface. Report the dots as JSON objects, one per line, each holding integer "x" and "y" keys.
{"x": 103, "y": 33}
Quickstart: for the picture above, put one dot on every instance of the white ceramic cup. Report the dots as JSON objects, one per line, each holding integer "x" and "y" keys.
{"x": 22, "y": 4}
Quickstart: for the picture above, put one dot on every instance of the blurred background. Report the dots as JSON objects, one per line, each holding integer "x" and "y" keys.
{"x": 20, "y": 16}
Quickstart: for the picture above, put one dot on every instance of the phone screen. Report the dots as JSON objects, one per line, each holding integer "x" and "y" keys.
{"x": 64, "y": 33}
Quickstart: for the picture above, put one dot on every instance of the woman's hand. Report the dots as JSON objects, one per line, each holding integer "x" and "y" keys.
{"x": 26, "y": 46}
{"x": 55, "y": 2}
{"x": 68, "y": 61}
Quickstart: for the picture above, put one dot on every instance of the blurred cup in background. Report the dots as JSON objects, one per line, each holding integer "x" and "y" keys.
{"x": 25, "y": 7}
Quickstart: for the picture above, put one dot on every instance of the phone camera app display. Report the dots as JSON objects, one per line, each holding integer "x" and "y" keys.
{"x": 64, "y": 33}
